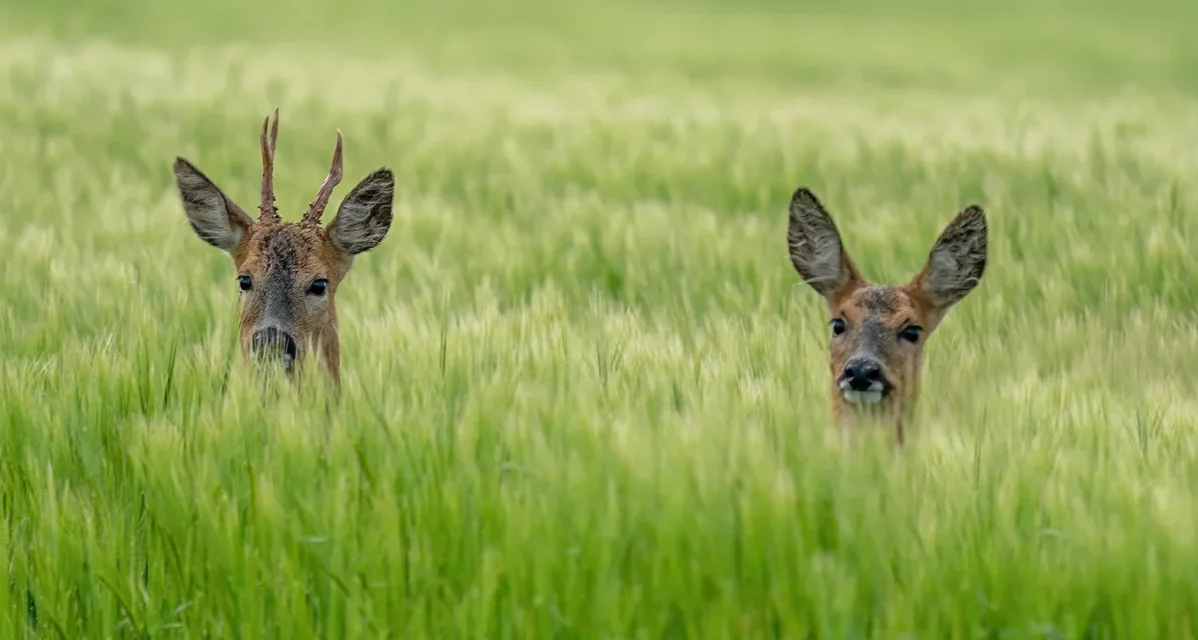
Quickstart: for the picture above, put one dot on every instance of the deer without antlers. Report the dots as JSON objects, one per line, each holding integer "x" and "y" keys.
{"x": 288, "y": 272}
{"x": 879, "y": 331}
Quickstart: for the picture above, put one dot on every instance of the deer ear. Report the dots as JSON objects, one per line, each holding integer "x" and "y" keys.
{"x": 815, "y": 247}
{"x": 364, "y": 216}
{"x": 215, "y": 218}
{"x": 957, "y": 260}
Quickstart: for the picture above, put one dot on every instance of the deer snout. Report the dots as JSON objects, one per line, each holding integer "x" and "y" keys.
{"x": 863, "y": 380}
{"x": 862, "y": 374}
{"x": 272, "y": 342}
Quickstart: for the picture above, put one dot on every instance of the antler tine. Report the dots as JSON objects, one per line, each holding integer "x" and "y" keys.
{"x": 268, "y": 211}
{"x": 316, "y": 208}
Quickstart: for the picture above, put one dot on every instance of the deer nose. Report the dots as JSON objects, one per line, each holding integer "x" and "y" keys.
{"x": 862, "y": 374}
{"x": 271, "y": 342}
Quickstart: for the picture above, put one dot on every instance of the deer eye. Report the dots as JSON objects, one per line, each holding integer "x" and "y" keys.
{"x": 318, "y": 287}
{"x": 837, "y": 326}
{"x": 244, "y": 282}
{"x": 911, "y": 334}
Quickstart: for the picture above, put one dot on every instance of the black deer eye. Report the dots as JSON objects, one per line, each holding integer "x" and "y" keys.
{"x": 318, "y": 287}
{"x": 837, "y": 326}
{"x": 911, "y": 333}
{"x": 244, "y": 282}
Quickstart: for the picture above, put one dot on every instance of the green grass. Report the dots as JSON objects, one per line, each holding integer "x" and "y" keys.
{"x": 585, "y": 392}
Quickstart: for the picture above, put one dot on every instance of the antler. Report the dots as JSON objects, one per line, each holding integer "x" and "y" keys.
{"x": 268, "y": 211}
{"x": 316, "y": 208}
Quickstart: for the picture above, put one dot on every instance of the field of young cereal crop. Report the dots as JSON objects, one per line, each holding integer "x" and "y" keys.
{"x": 585, "y": 394}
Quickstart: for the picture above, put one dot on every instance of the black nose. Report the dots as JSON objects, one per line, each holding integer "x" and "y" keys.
{"x": 271, "y": 342}
{"x": 862, "y": 373}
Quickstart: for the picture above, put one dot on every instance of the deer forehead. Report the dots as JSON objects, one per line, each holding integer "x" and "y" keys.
{"x": 881, "y": 304}
{"x": 292, "y": 248}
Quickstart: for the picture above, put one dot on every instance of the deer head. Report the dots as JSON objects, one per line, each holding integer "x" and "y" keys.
{"x": 288, "y": 273}
{"x": 879, "y": 331}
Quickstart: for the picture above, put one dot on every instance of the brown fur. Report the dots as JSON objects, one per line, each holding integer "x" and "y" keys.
{"x": 875, "y": 315}
{"x": 284, "y": 259}
{"x": 305, "y": 253}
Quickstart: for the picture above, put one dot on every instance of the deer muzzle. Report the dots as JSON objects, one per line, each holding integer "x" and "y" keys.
{"x": 863, "y": 381}
{"x": 272, "y": 344}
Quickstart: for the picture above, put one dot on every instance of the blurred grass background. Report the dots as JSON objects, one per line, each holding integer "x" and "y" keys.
{"x": 585, "y": 391}
{"x": 1063, "y": 47}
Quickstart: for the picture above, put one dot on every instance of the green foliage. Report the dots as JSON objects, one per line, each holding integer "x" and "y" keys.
{"x": 585, "y": 392}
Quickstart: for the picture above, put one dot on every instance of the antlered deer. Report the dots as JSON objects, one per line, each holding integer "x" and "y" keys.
{"x": 288, "y": 272}
{"x": 879, "y": 331}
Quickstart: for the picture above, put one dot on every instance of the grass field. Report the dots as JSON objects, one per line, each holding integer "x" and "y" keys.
{"x": 585, "y": 393}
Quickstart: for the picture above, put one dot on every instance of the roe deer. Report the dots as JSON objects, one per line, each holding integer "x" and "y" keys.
{"x": 879, "y": 331}
{"x": 288, "y": 272}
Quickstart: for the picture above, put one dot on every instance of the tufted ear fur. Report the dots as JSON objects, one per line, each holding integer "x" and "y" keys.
{"x": 957, "y": 261}
{"x": 816, "y": 250}
{"x": 215, "y": 218}
{"x": 364, "y": 217}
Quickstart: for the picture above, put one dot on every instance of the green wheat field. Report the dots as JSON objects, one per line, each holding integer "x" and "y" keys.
{"x": 585, "y": 392}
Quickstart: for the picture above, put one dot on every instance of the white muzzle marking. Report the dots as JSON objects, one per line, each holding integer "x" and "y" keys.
{"x": 872, "y": 395}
